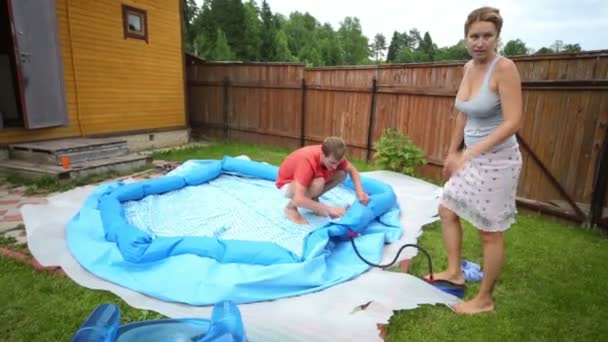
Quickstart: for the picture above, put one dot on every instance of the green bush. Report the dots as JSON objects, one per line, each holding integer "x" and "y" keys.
{"x": 396, "y": 152}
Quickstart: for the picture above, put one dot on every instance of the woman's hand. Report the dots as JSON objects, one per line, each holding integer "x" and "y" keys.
{"x": 454, "y": 162}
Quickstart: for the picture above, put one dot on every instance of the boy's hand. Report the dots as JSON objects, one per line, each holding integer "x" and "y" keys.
{"x": 335, "y": 212}
{"x": 363, "y": 197}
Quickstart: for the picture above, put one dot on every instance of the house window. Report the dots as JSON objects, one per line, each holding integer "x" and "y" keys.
{"x": 135, "y": 23}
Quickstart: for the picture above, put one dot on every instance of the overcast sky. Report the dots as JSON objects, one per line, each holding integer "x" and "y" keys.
{"x": 537, "y": 22}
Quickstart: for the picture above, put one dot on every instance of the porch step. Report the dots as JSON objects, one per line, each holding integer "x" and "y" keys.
{"x": 124, "y": 163}
{"x": 79, "y": 150}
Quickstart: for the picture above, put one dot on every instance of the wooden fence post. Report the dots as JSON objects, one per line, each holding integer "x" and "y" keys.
{"x": 303, "y": 114}
{"x": 600, "y": 184}
{"x": 226, "y": 103}
{"x": 372, "y": 117}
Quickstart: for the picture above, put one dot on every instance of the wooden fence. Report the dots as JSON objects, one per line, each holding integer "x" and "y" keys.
{"x": 563, "y": 137}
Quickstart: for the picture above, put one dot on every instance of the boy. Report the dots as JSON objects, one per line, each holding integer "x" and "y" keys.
{"x": 310, "y": 171}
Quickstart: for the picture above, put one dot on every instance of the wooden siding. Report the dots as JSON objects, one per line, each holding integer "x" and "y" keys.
{"x": 113, "y": 84}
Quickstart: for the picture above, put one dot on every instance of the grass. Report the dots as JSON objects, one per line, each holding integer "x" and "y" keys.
{"x": 217, "y": 150}
{"x": 552, "y": 287}
{"x": 47, "y": 184}
{"x": 11, "y": 243}
{"x": 43, "y": 307}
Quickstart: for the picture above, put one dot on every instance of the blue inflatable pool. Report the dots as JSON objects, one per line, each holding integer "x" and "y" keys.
{"x": 142, "y": 235}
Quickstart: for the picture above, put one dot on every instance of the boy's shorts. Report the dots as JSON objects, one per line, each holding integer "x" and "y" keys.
{"x": 284, "y": 189}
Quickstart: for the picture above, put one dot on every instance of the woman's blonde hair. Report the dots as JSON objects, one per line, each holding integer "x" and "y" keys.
{"x": 490, "y": 14}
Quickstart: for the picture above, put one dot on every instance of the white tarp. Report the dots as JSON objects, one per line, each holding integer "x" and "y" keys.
{"x": 323, "y": 316}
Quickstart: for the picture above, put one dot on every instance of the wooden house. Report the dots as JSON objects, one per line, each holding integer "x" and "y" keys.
{"x": 84, "y": 68}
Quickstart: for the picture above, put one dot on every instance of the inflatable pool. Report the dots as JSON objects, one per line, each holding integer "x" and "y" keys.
{"x": 214, "y": 230}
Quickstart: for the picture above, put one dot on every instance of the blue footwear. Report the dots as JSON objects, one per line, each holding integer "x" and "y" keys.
{"x": 447, "y": 286}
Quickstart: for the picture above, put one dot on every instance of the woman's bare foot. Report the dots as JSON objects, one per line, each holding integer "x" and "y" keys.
{"x": 381, "y": 330}
{"x": 294, "y": 215}
{"x": 474, "y": 306}
{"x": 445, "y": 275}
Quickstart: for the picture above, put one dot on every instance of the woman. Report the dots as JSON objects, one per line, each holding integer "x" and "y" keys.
{"x": 483, "y": 178}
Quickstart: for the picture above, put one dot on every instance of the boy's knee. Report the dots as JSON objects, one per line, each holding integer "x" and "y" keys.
{"x": 340, "y": 175}
{"x": 316, "y": 187}
{"x": 318, "y": 182}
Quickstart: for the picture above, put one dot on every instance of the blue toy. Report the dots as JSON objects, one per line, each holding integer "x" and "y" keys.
{"x": 103, "y": 325}
{"x": 471, "y": 271}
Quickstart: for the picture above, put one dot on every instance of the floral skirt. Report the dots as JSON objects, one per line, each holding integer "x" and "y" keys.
{"x": 483, "y": 192}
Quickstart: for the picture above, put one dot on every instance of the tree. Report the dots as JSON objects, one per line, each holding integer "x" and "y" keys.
{"x": 222, "y": 51}
{"x": 414, "y": 38}
{"x": 206, "y": 27}
{"x": 515, "y": 47}
{"x": 544, "y": 51}
{"x": 310, "y": 55}
{"x": 572, "y": 48}
{"x": 191, "y": 12}
{"x": 279, "y": 21}
{"x": 416, "y": 49}
{"x": 230, "y": 17}
{"x": 457, "y": 52}
{"x": 394, "y": 47}
{"x": 427, "y": 47}
{"x": 301, "y": 29}
{"x": 378, "y": 46}
{"x": 329, "y": 46}
{"x": 557, "y": 46}
{"x": 268, "y": 50}
{"x": 400, "y": 41}
{"x": 282, "y": 53}
{"x": 409, "y": 55}
{"x": 240, "y": 29}
{"x": 252, "y": 34}
{"x": 354, "y": 43}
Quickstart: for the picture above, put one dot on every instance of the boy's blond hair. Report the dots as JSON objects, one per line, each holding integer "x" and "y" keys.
{"x": 334, "y": 147}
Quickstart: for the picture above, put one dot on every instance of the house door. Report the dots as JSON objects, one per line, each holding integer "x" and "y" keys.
{"x": 10, "y": 112}
{"x": 38, "y": 62}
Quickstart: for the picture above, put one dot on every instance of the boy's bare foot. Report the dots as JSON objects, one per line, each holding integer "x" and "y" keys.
{"x": 294, "y": 215}
{"x": 456, "y": 279}
{"x": 319, "y": 213}
{"x": 474, "y": 306}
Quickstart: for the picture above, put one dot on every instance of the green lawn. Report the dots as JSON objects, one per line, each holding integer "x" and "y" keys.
{"x": 272, "y": 155}
{"x": 48, "y": 184}
{"x": 552, "y": 287}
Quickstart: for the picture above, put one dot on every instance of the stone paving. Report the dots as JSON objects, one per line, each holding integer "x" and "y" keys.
{"x": 13, "y": 198}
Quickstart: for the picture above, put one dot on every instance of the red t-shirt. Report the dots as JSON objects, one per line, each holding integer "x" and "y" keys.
{"x": 304, "y": 165}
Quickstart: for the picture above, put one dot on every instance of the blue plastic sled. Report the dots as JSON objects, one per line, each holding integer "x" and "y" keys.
{"x": 103, "y": 325}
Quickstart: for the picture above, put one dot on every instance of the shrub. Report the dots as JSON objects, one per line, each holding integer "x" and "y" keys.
{"x": 396, "y": 152}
